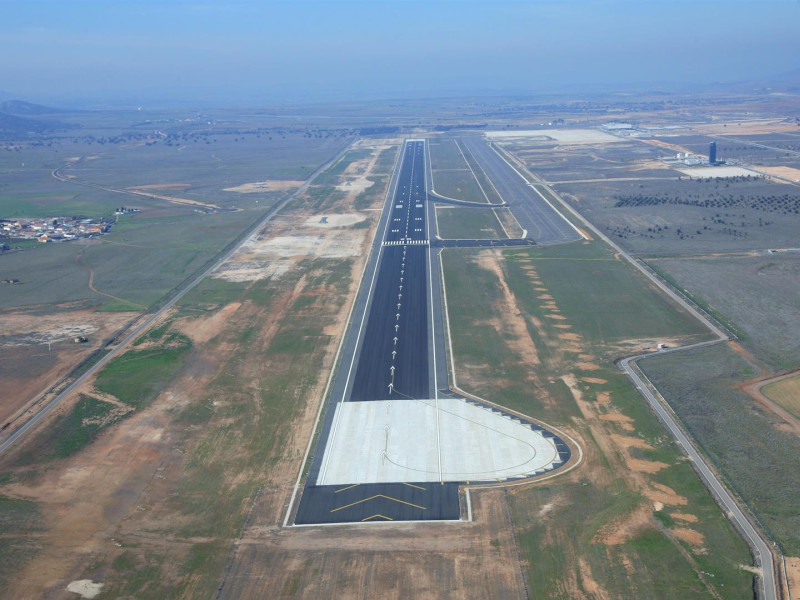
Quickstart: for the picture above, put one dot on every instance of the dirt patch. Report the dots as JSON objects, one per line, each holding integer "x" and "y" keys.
{"x": 695, "y": 538}
{"x": 475, "y": 559}
{"x": 623, "y": 421}
{"x": 202, "y": 330}
{"x": 595, "y": 380}
{"x": 666, "y": 495}
{"x": 327, "y": 221}
{"x": 625, "y": 441}
{"x": 572, "y": 383}
{"x": 623, "y": 529}
{"x": 357, "y": 185}
{"x": 325, "y": 246}
{"x": 589, "y": 584}
{"x": 645, "y": 466}
{"x": 556, "y": 317}
{"x": 252, "y": 270}
{"x": 588, "y": 366}
{"x": 747, "y": 127}
{"x": 782, "y": 172}
{"x": 572, "y": 337}
{"x": 275, "y": 185}
{"x": 793, "y": 575}
{"x": 162, "y": 186}
{"x": 509, "y": 308}
{"x": 29, "y": 365}
{"x": 603, "y": 397}
{"x": 688, "y": 517}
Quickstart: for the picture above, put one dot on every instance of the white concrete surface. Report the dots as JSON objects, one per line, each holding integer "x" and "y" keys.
{"x": 565, "y": 136}
{"x": 721, "y": 172}
{"x": 395, "y": 441}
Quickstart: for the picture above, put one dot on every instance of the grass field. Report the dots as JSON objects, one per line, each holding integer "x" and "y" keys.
{"x": 133, "y": 380}
{"x": 468, "y": 223}
{"x": 760, "y": 459}
{"x": 460, "y": 185}
{"x": 20, "y": 521}
{"x": 786, "y": 393}
{"x": 756, "y": 294}
{"x": 609, "y": 302}
{"x": 445, "y": 155}
{"x": 214, "y": 427}
{"x": 456, "y": 174}
{"x": 614, "y": 528}
{"x": 142, "y": 258}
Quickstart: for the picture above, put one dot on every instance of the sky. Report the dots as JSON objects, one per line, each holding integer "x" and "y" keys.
{"x": 243, "y": 52}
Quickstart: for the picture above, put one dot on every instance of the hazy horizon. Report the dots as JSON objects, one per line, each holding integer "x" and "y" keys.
{"x": 281, "y": 52}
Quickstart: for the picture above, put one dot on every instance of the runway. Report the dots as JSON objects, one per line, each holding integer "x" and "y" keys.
{"x": 541, "y": 221}
{"x": 393, "y": 361}
{"x": 395, "y": 442}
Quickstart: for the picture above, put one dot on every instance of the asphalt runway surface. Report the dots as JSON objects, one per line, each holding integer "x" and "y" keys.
{"x": 379, "y": 502}
{"x": 393, "y": 360}
{"x": 389, "y": 353}
{"x": 542, "y": 222}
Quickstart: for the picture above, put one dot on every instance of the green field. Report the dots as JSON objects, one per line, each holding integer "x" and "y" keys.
{"x": 134, "y": 379}
{"x": 607, "y": 301}
{"x": 460, "y": 185}
{"x": 20, "y": 521}
{"x": 445, "y": 155}
{"x": 650, "y": 563}
{"x": 141, "y": 259}
{"x": 468, "y": 223}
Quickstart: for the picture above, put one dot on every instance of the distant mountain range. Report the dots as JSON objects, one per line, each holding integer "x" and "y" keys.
{"x": 16, "y": 119}
{"x": 21, "y": 108}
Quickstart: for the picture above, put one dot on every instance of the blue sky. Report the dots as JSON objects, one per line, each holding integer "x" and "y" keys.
{"x": 244, "y": 52}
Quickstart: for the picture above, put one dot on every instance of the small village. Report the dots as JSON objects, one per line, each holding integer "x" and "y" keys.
{"x": 54, "y": 229}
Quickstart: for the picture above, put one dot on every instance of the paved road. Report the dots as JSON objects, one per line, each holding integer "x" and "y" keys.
{"x": 762, "y": 550}
{"x": 542, "y": 222}
{"x": 24, "y": 429}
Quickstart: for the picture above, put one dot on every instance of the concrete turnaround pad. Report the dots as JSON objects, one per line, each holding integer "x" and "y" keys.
{"x": 406, "y": 440}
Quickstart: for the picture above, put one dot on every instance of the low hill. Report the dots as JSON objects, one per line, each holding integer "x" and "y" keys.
{"x": 21, "y": 108}
{"x": 16, "y": 126}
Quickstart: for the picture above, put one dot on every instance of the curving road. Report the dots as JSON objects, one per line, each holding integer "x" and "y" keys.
{"x": 760, "y": 547}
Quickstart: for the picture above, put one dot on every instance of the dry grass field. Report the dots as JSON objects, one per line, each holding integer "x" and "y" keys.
{"x": 786, "y": 393}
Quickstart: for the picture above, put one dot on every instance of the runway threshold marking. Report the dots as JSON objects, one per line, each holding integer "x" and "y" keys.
{"x": 349, "y": 487}
{"x": 377, "y": 516}
{"x": 378, "y": 496}
{"x": 419, "y": 487}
